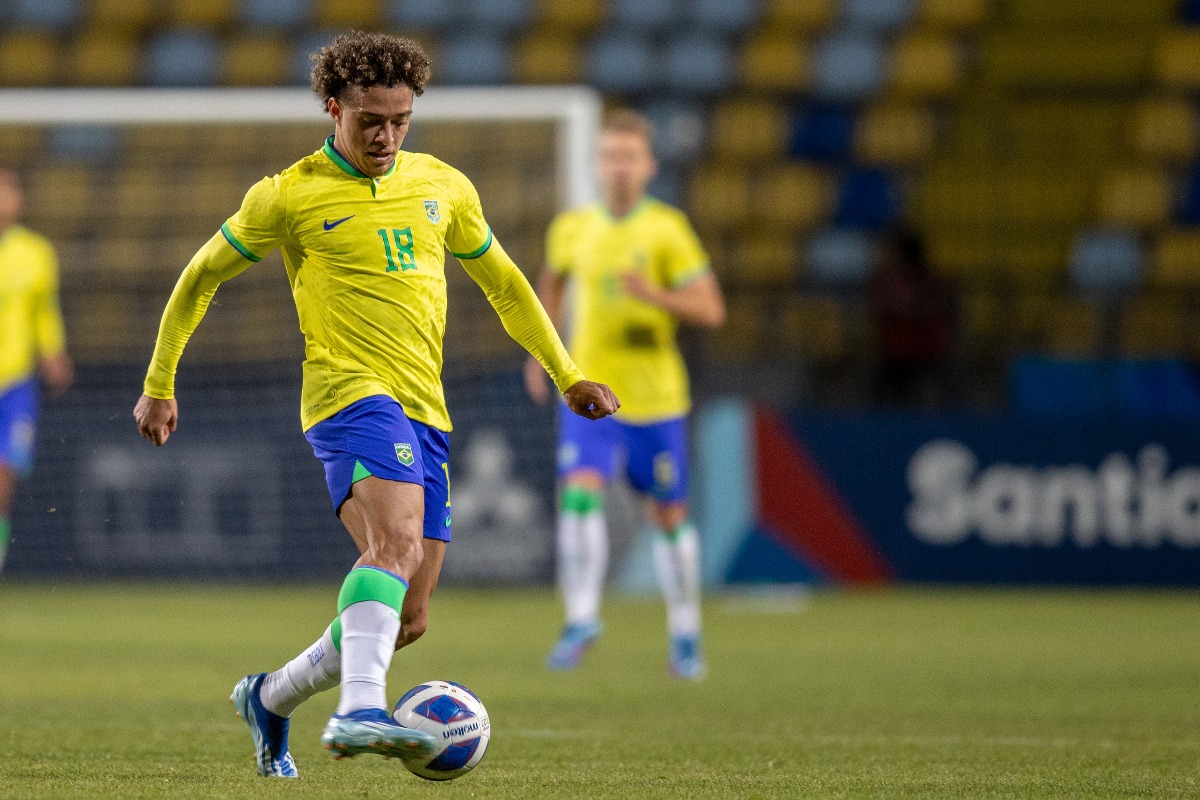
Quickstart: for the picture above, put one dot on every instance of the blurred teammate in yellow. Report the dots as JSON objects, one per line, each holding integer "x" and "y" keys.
{"x": 31, "y": 341}
{"x": 364, "y": 228}
{"x": 636, "y": 270}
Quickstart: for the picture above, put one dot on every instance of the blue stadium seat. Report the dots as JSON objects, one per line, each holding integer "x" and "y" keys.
{"x": 645, "y": 15}
{"x": 821, "y": 132}
{"x": 275, "y": 13}
{"x": 622, "y": 62}
{"x": 1158, "y": 389}
{"x": 1189, "y": 200}
{"x": 867, "y": 199}
{"x": 879, "y": 15}
{"x": 182, "y": 58}
{"x": 1055, "y": 388}
{"x": 502, "y": 15}
{"x": 307, "y": 44}
{"x": 426, "y": 15}
{"x": 698, "y": 63}
{"x": 725, "y": 16}
{"x": 1106, "y": 259}
{"x": 679, "y": 129}
{"x": 842, "y": 257}
{"x": 1190, "y": 13}
{"x": 475, "y": 58}
{"x": 49, "y": 14}
{"x": 93, "y": 143}
{"x": 848, "y": 65}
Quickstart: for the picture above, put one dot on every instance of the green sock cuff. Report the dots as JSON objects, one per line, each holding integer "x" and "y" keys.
{"x": 371, "y": 583}
{"x": 674, "y": 534}
{"x": 5, "y": 532}
{"x": 335, "y": 633}
{"x": 578, "y": 500}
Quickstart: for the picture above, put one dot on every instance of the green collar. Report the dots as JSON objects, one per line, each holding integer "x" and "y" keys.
{"x": 336, "y": 157}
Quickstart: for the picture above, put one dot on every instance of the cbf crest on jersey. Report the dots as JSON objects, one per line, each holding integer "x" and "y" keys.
{"x": 405, "y": 454}
{"x": 432, "y": 211}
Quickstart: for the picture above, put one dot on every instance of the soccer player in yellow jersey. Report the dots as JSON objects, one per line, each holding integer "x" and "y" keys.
{"x": 636, "y": 269}
{"x": 363, "y": 228}
{"x": 31, "y": 339}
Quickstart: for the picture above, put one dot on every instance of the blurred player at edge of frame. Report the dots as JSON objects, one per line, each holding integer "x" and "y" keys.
{"x": 363, "y": 227}
{"x": 636, "y": 270}
{"x": 31, "y": 341}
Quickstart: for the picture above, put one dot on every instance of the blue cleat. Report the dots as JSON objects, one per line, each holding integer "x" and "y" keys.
{"x": 372, "y": 730}
{"x": 686, "y": 660}
{"x": 573, "y": 642}
{"x": 269, "y": 731}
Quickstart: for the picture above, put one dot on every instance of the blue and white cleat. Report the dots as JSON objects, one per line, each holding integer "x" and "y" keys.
{"x": 686, "y": 660}
{"x": 573, "y": 642}
{"x": 269, "y": 731}
{"x": 372, "y": 730}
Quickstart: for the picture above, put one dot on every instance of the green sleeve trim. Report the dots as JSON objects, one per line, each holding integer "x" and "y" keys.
{"x": 371, "y": 583}
{"x": 578, "y": 500}
{"x": 475, "y": 253}
{"x": 693, "y": 275}
{"x": 241, "y": 248}
{"x": 335, "y": 633}
{"x": 360, "y": 472}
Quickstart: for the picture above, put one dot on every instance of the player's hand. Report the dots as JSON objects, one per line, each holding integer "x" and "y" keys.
{"x": 636, "y": 285}
{"x": 591, "y": 400}
{"x": 537, "y": 382}
{"x": 156, "y": 419}
{"x": 58, "y": 373}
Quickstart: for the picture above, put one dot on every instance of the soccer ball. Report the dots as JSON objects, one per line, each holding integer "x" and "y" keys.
{"x": 455, "y": 717}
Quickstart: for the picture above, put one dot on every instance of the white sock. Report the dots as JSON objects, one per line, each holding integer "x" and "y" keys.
{"x": 582, "y": 563}
{"x": 316, "y": 670}
{"x": 369, "y": 630}
{"x": 677, "y": 561}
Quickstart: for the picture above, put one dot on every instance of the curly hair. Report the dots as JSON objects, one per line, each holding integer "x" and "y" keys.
{"x": 368, "y": 59}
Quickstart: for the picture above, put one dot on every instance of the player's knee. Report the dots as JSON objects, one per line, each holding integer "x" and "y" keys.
{"x": 667, "y": 516}
{"x": 589, "y": 480}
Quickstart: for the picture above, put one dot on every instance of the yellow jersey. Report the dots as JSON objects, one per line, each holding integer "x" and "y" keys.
{"x": 366, "y": 262}
{"x": 31, "y": 325}
{"x": 616, "y": 338}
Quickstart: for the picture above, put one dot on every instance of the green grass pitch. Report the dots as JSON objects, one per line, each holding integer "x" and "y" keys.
{"x": 116, "y": 691}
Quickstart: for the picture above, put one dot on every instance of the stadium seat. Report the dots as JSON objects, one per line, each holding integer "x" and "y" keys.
{"x": 1106, "y": 259}
{"x": 724, "y": 16}
{"x": 667, "y": 185}
{"x": 287, "y": 14}
{"x": 63, "y": 195}
{"x": 43, "y": 14}
{"x": 182, "y": 58}
{"x": 97, "y": 144}
{"x": 812, "y": 327}
{"x": 698, "y": 63}
{"x": 749, "y": 130}
{"x": 579, "y": 16}
{"x": 926, "y": 65}
{"x": 550, "y": 57}
{"x": 1072, "y": 326}
{"x": 424, "y": 15}
{"x": 1165, "y": 129}
{"x": 821, "y": 132}
{"x": 104, "y": 59}
{"x": 122, "y": 16}
{"x": 841, "y": 257}
{"x": 497, "y": 15}
{"x": 792, "y": 197}
{"x": 740, "y": 339}
{"x": 867, "y": 198}
{"x": 763, "y": 259}
{"x": 200, "y": 13}
{"x": 952, "y": 14}
{"x": 776, "y": 62}
{"x": 848, "y": 65}
{"x": 789, "y": 17}
{"x": 1189, "y": 200}
{"x": 894, "y": 135}
{"x": 475, "y": 60}
{"x": 1135, "y": 197}
{"x": 361, "y": 14}
{"x": 29, "y": 59}
{"x": 878, "y": 15}
{"x": 1143, "y": 13}
{"x": 1037, "y": 58}
{"x": 1177, "y": 259}
{"x": 646, "y": 16}
{"x": 719, "y": 197}
{"x": 1153, "y": 326}
{"x": 256, "y": 60}
{"x": 1177, "y": 59}
{"x": 300, "y": 64}
{"x": 622, "y": 62}
{"x": 679, "y": 129}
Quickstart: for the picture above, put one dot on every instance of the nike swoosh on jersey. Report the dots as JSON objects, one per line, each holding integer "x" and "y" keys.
{"x": 331, "y": 225}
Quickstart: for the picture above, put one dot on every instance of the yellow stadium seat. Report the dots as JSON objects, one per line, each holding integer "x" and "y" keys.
{"x": 763, "y": 258}
{"x": 797, "y": 16}
{"x": 926, "y": 65}
{"x": 740, "y": 339}
{"x": 256, "y": 61}
{"x": 123, "y": 15}
{"x": 1177, "y": 59}
{"x": 792, "y": 197}
{"x": 99, "y": 328}
{"x": 1177, "y": 259}
{"x": 104, "y": 59}
{"x": 200, "y": 13}
{"x": 364, "y": 14}
{"x": 63, "y": 196}
{"x": 749, "y": 130}
{"x": 813, "y": 327}
{"x": 1028, "y": 196}
{"x": 719, "y": 196}
{"x": 1143, "y": 13}
{"x": 953, "y": 13}
{"x": 28, "y": 59}
{"x": 549, "y": 58}
{"x": 776, "y": 62}
{"x": 1057, "y": 324}
{"x": 1153, "y": 326}
{"x": 137, "y": 189}
{"x": 1165, "y": 128}
{"x": 1039, "y": 58}
{"x": 579, "y": 16}
{"x": 1135, "y": 197}
{"x": 986, "y": 253}
{"x": 894, "y": 134}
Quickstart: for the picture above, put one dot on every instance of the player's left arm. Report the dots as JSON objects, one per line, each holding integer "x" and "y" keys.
{"x": 49, "y": 332}
{"x": 697, "y": 302}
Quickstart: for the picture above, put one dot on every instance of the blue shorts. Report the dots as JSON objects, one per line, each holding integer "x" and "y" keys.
{"x": 374, "y": 437}
{"x": 18, "y": 418}
{"x": 655, "y": 456}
